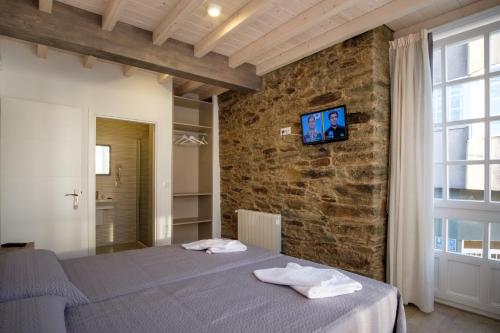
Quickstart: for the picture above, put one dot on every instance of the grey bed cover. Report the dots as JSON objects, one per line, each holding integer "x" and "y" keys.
{"x": 197, "y": 292}
{"x": 110, "y": 275}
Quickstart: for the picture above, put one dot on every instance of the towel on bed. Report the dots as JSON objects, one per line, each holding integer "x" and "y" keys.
{"x": 310, "y": 281}
{"x": 217, "y": 245}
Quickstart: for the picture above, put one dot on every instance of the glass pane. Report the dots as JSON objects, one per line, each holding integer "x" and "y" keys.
{"x": 438, "y": 145}
{"x": 465, "y": 100}
{"x": 102, "y": 160}
{"x": 465, "y": 59}
{"x": 436, "y": 66}
{"x": 495, "y": 51}
{"x": 465, "y": 237}
{"x": 466, "y": 182}
{"x": 437, "y": 105}
{"x": 495, "y": 96}
{"x": 466, "y": 142}
{"x": 495, "y": 140}
{"x": 438, "y": 234}
{"x": 495, "y": 182}
{"x": 494, "y": 241}
{"x": 438, "y": 181}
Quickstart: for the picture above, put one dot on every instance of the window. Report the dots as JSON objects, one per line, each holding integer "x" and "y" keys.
{"x": 102, "y": 160}
{"x": 495, "y": 51}
{"x": 465, "y": 237}
{"x": 466, "y": 117}
{"x": 438, "y": 234}
{"x": 494, "y": 241}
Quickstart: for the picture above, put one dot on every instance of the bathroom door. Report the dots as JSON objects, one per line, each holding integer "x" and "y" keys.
{"x": 43, "y": 176}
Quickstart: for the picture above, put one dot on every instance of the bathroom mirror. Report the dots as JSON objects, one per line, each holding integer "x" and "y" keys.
{"x": 103, "y": 160}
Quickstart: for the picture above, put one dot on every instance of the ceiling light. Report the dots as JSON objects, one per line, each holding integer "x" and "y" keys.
{"x": 214, "y": 10}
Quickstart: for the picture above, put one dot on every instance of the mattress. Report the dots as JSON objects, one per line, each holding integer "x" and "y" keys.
{"x": 110, "y": 275}
{"x": 231, "y": 299}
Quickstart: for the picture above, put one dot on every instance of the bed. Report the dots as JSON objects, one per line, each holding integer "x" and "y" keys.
{"x": 169, "y": 289}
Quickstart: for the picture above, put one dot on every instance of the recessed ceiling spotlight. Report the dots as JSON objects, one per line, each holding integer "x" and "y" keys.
{"x": 214, "y": 10}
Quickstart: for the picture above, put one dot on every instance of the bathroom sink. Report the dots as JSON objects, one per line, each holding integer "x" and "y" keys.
{"x": 104, "y": 204}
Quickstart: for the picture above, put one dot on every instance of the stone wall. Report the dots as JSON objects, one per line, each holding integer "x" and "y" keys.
{"x": 332, "y": 197}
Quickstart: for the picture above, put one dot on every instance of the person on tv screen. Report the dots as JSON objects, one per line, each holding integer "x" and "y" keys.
{"x": 312, "y": 135}
{"x": 335, "y": 131}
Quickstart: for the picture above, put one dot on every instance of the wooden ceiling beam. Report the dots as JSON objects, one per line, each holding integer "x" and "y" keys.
{"x": 382, "y": 15}
{"x": 233, "y": 23}
{"x": 293, "y": 27}
{"x": 173, "y": 20}
{"x": 128, "y": 71}
{"x": 41, "y": 51}
{"x": 448, "y": 17}
{"x": 112, "y": 13}
{"x": 45, "y": 6}
{"x": 188, "y": 87}
{"x": 211, "y": 92}
{"x": 162, "y": 78}
{"x": 89, "y": 61}
{"x": 79, "y": 31}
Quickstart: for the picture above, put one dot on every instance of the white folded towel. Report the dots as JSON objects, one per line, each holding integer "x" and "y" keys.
{"x": 217, "y": 245}
{"x": 310, "y": 281}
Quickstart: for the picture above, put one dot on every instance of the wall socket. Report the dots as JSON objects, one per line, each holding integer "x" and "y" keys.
{"x": 286, "y": 131}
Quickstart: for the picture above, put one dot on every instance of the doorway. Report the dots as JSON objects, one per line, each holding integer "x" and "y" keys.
{"x": 124, "y": 158}
{"x": 43, "y": 181}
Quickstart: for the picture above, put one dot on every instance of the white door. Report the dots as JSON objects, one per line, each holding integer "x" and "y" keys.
{"x": 43, "y": 176}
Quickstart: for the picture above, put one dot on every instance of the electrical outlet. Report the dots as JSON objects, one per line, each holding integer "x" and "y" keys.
{"x": 286, "y": 131}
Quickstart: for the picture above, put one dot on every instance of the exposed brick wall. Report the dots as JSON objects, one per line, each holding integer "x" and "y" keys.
{"x": 332, "y": 197}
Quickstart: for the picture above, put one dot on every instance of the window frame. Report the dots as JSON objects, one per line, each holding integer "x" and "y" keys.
{"x": 445, "y": 209}
{"x": 109, "y": 148}
{"x": 445, "y": 201}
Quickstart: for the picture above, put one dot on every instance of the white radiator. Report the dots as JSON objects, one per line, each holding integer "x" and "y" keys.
{"x": 259, "y": 229}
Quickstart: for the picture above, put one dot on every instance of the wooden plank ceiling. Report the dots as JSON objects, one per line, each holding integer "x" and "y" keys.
{"x": 266, "y": 34}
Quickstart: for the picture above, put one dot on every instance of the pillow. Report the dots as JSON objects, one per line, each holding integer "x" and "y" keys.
{"x": 32, "y": 273}
{"x": 33, "y": 315}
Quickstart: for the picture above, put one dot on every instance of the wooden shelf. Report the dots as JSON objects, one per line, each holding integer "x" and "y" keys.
{"x": 191, "y": 220}
{"x": 190, "y": 127}
{"x": 191, "y": 103}
{"x": 192, "y": 194}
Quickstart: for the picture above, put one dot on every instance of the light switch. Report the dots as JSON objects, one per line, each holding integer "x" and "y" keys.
{"x": 286, "y": 131}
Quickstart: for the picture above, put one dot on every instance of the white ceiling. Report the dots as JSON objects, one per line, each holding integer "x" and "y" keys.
{"x": 147, "y": 14}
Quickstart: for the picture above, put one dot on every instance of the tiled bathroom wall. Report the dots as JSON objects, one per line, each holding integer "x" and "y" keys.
{"x": 131, "y": 147}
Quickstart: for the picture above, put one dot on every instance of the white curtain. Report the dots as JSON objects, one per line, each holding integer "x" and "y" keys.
{"x": 410, "y": 236}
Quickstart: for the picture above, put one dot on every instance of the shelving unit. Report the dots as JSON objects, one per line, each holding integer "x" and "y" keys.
{"x": 192, "y": 220}
{"x": 192, "y": 194}
{"x": 191, "y": 127}
{"x": 192, "y": 172}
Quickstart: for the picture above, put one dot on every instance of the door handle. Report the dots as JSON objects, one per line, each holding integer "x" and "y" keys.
{"x": 76, "y": 193}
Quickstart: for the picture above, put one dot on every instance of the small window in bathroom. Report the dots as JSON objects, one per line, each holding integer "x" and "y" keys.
{"x": 103, "y": 160}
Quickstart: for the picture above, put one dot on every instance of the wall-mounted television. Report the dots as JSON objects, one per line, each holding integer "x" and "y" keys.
{"x": 326, "y": 125}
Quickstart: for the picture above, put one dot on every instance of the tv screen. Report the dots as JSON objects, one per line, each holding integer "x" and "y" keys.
{"x": 324, "y": 126}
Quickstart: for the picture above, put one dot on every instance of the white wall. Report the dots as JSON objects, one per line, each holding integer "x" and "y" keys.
{"x": 216, "y": 218}
{"x": 105, "y": 92}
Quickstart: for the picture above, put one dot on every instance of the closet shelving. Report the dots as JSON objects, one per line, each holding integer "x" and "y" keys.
{"x": 192, "y": 220}
{"x": 191, "y": 127}
{"x": 192, "y": 170}
{"x": 192, "y": 194}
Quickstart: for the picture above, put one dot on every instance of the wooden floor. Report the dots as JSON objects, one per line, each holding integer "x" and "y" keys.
{"x": 446, "y": 319}
{"x": 119, "y": 247}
